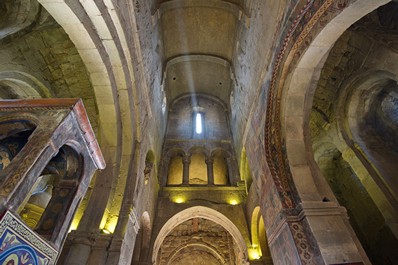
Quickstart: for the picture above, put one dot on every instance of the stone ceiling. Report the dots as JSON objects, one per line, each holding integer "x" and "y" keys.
{"x": 198, "y": 41}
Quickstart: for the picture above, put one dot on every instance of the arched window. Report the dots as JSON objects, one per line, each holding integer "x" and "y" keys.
{"x": 198, "y": 124}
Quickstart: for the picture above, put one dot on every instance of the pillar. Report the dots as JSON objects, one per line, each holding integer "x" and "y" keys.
{"x": 210, "y": 175}
{"x": 186, "y": 160}
{"x": 232, "y": 171}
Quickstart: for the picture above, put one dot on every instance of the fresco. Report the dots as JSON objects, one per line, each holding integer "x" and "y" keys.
{"x": 19, "y": 245}
{"x": 10, "y": 146}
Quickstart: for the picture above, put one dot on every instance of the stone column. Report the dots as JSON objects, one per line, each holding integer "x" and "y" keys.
{"x": 186, "y": 160}
{"x": 86, "y": 248}
{"x": 119, "y": 251}
{"x": 121, "y": 247}
{"x": 163, "y": 172}
{"x": 210, "y": 175}
{"x": 232, "y": 172}
{"x": 314, "y": 234}
{"x": 78, "y": 254}
{"x": 99, "y": 249}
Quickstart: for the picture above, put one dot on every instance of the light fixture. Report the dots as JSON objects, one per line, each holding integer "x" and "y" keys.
{"x": 105, "y": 231}
{"x": 253, "y": 253}
{"x": 233, "y": 202}
{"x": 179, "y": 199}
{"x": 74, "y": 224}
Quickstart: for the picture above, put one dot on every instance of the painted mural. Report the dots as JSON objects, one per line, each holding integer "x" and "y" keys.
{"x": 10, "y": 146}
{"x": 21, "y": 246}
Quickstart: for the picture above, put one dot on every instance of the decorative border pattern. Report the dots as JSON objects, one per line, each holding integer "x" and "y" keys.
{"x": 296, "y": 40}
{"x": 304, "y": 249}
{"x": 10, "y": 223}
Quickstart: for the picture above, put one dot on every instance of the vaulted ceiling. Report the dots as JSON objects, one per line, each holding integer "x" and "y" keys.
{"x": 198, "y": 41}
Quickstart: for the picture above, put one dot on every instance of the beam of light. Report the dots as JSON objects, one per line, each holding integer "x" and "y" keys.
{"x": 183, "y": 37}
{"x": 198, "y": 123}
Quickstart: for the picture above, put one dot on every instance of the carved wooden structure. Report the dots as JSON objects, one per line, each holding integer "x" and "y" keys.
{"x": 50, "y": 141}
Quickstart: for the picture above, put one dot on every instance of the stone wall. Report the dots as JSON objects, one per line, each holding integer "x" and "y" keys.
{"x": 198, "y": 235}
{"x": 181, "y": 120}
{"x": 47, "y": 54}
{"x": 258, "y": 40}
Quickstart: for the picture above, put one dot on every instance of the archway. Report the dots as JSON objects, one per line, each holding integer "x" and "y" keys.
{"x": 299, "y": 108}
{"x": 299, "y": 90}
{"x": 141, "y": 245}
{"x": 208, "y": 215}
{"x": 260, "y": 248}
{"x": 353, "y": 130}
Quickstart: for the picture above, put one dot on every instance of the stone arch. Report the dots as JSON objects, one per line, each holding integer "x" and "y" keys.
{"x": 175, "y": 151}
{"x": 146, "y": 228}
{"x": 142, "y": 242}
{"x": 149, "y": 166}
{"x": 105, "y": 51}
{"x": 359, "y": 105}
{"x": 202, "y": 212}
{"x": 187, "y": 250}
{"x": 259, "y": 248}
{"x": 15, "y": 84}
{"x": 215, "y": 121}
{"x": 198, "y": 150}
{"x": 220, "y": 151}
{"x": 150, "y": 157}
{"x": 361, "y": 88}
{"x": 244, "y": 169}
{"x": 298, "y": 96}
{"x": 182, "y": 97}
{"x": 254, "y": 226}
{"x": 17, "y": 15}
{"x": 299, "y": 88}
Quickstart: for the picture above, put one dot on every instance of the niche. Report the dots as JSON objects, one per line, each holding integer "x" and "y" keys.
{"x": 174, "y": 176}
{"x": 220, "y": 168}
{"x": 198, "y": 169}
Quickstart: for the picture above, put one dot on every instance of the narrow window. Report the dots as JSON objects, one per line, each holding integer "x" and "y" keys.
{"x": 198, "y": 123}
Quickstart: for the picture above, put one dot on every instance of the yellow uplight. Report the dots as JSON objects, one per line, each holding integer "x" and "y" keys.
{"x": 233, "y": 202}
{"x": 74, "y": 224}
{"x": 104, "y": 219}
{"x": 110, "y": 224}
{"x": 179, "y": 199}
{"x": 106, "y": 231}
{"x": 254, "y": 253}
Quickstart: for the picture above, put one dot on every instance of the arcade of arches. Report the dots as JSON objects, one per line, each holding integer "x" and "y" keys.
{"x": 233, "y": 131}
